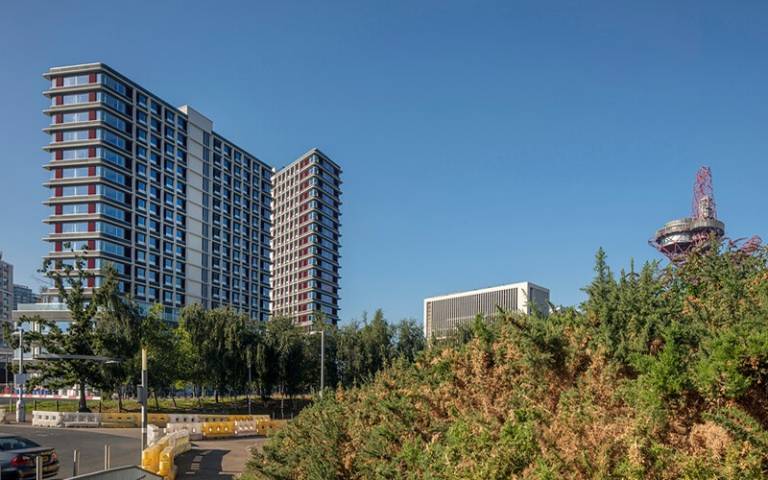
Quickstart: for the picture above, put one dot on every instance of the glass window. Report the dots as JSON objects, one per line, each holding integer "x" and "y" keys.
{"x": 113, "y": 84}
{"x": 73, "y": 99}
{"x": 75, "y": 135}
{"x": 75, "y": 80}
{"x": 111, "y": 156}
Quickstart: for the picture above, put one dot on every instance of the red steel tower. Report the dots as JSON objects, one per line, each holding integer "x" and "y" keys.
{"x": 678, "y": 237}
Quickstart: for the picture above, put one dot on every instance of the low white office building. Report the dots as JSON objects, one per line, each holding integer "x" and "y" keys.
{"x": 444, "y": 314}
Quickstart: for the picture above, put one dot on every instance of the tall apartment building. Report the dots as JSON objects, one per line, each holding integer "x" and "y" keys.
{"x": 23, "y": 294}
{"x": 6, "y": 290}
{"x": 443, "y": 315}
{"x": 306, "y": 240}
{"x": 183, "y": 214}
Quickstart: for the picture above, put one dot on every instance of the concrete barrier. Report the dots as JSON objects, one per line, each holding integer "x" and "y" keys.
{"x": 120, "y": 420}
{"x": 76, "y": 419}
{"x": 195, "y": 430}
{"x": 159, "y": 458}
{"x": 47, "y": 419}
{"x": 245, "y": 428}
{"x": 159, "y": 419}
{"x": 218, "y": 429}
{"x": 183, "y": 418}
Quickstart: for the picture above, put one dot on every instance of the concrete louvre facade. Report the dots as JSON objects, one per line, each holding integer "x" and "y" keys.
{"x": 443, "y": 315}
{"x": 307, "y": 238}
{"x": 183, "y": 214}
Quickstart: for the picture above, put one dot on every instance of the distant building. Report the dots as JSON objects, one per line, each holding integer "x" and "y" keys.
{"x": 443, "y": 315}
{"x": 23, "y": 294}
{"x": 306, "y": 239}
{"x": 6, "y": 290}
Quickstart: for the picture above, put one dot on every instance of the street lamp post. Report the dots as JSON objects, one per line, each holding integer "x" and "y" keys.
{"x": 143, "y": 397}
{"x": 21, "y": 416}
{"x": 322, "y": 358}
{"x": 250, "y": 380}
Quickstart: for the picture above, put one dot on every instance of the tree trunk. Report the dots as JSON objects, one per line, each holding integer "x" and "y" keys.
{"x": 83, "y": 405}
{"x": 120, "y": 399}
{"x": 173, "y": 398}
{"x": 157, "y": 403}
{"x": 216, "y": 395}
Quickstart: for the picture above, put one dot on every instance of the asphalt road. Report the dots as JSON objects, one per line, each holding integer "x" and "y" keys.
{"x": 124, "y": 443}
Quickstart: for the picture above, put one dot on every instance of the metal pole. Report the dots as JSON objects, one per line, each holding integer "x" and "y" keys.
{"x": 75, "y": 463}
{"x": 20, "y": 414}
{"x": 322, "y": 362}
{"x": 39, "y": 467}
{"x": 107, "y": 455}
{"x": 144, "y": 399}
{"x": 250, "y": 380}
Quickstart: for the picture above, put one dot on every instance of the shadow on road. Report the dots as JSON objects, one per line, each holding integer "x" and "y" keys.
{"x": 203, "y": 464}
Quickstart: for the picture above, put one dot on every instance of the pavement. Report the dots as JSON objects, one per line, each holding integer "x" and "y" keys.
{"x": 216, "y": 459}
{"x": 125, "y": 445}
{"x": 208, "y": 459}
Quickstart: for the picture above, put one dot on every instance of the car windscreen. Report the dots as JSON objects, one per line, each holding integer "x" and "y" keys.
{"x": 15, "y": 443}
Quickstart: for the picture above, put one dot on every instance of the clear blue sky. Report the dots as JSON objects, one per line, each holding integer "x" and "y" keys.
{"x": 482, "y": 143}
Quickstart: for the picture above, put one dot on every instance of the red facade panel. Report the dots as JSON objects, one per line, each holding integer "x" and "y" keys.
{"x": 92, "y": 78}
{"x": 92, "y": 189}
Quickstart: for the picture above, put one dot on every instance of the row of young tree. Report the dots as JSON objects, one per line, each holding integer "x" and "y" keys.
{"x": 219, "y": 350}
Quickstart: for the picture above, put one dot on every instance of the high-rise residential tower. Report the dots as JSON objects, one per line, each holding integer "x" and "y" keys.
{"x": 306, "y": 240}
{"x": 182, "y": 213}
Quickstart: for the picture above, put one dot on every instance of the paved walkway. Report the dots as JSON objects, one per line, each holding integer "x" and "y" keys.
{"x": 216, "y": 459}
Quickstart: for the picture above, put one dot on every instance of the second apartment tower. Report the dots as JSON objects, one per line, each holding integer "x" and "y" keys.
{"x": 306, "y": 239}
{"x": 184, "y": 214}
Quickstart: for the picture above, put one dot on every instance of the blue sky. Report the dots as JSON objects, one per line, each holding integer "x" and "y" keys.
{"x": 482, "y": 143}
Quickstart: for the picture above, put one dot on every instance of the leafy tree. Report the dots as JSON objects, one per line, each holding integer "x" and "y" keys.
{"x": 409, "y": 339}
{"x": 80, "y": 338}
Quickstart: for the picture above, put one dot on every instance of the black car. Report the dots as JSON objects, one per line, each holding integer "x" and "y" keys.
{"x": 18, "y": 456}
